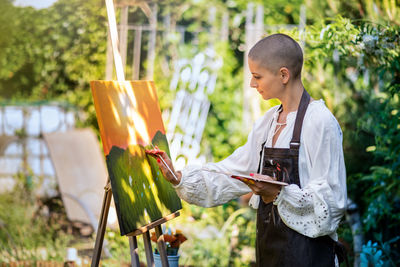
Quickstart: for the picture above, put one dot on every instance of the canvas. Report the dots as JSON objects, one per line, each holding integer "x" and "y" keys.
{"x": 130, "y": 121}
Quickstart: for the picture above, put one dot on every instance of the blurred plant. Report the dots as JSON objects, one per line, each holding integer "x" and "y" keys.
{"x": 371, "y": 255}
{"x": 218, "y": 236}
{"x": 379, "y": 255}
{"x": 173, "y": 241}
{"x": 24, "y": 236}
{"x": 378, "y": 11}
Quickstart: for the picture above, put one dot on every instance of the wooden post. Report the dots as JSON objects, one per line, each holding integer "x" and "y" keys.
{"x": 246, "y": 72}
{"x": 109, "y": 58}
{"x": 212, "y": 12}
{"x": 353, "y": 218}
{"x": 162, "y": 249}
{"x": 225, "y": 27}
{"x": 254, "y": 31}
{"x": 123, "y": 35}
{"x": 167, "y": 25}
{"x": 302, "y": 26}
{"x": 181, "y": 31}
{"x": 259, "y": 24}
{"x": 151, "y": 52}
{"x": 257, "y": 35}
{"x": 112, "y": 26}
{"x": 133, "y": 245}
{"x": 136, "y": 53}
{"x": 148, "y": 249}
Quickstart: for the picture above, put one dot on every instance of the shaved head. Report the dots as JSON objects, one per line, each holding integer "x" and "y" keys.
{"x": 277, "y": 51}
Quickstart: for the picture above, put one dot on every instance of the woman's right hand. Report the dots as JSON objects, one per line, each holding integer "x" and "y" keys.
{"x": 157, "y": 153}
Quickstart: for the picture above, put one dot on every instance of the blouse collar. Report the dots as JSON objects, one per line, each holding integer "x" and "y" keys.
{"x": 292, "y": 115}
{"x": 289, "y": 116}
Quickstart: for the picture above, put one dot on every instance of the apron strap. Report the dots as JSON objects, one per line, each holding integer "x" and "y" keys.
{"x": 260, "y": 162}
{"x": 301, "y": 111}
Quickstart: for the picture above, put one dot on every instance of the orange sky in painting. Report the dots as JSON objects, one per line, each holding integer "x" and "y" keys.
{"x": 127, "y": 112}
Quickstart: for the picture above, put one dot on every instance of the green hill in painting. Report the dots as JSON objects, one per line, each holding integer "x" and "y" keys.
{"x": 141, "y": 193}
{"x": 160, "y": 140}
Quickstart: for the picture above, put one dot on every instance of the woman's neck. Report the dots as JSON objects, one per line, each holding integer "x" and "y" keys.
{"x": 291, "y": 98}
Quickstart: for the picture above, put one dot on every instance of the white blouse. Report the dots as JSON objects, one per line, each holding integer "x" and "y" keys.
{"x": 313, "y": 210}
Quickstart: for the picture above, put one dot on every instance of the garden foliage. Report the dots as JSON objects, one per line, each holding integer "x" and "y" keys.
{"x": 364, "y": 62}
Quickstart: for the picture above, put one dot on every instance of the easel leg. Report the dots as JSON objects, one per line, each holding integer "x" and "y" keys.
{"x": 161, "y": 247}
{"x": 102, "y": 227}
{"x": 134, "y": 251}
{"x": 148, "y": 249}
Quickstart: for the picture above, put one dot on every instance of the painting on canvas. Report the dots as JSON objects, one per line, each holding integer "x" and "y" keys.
{"x": 130, "y": 121}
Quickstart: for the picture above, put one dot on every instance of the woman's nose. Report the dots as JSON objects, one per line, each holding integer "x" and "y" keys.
{"x": 253, "y": 84}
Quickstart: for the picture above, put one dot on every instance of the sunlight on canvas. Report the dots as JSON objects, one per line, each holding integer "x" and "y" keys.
{"x": 128, "y": 190}
{"x": 130, "y": 120}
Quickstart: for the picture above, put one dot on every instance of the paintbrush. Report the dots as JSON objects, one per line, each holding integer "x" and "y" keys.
{"x": 165, "y": 164}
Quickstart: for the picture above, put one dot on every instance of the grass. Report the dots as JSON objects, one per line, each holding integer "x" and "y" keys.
{"x": 25, "y": 234}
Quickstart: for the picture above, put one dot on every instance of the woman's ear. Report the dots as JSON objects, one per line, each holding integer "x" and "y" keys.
{"x": 284, "y": 74}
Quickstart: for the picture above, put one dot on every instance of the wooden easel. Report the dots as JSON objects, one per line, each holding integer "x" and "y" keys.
{"x": 132, "y": 236}
{"x": 112, "y": 25}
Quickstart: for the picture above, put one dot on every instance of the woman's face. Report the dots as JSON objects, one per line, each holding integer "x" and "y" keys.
{"x": 268, "y": 84}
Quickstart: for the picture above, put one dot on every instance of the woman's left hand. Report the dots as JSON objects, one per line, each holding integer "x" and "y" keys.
{"x": 267, "y": 191}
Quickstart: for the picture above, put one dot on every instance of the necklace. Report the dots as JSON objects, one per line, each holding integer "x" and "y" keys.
{"x": 278, "y": 126}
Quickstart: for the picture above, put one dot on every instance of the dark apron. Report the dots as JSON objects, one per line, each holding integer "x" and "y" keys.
{"x": 277, "y": 244}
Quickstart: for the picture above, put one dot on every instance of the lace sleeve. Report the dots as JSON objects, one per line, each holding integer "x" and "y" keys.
{"x": 317, "y": 208}
{"x": 207, "y": 189}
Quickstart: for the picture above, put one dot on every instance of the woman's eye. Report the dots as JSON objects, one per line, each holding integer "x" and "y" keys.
{"x": 256, "y": 77}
